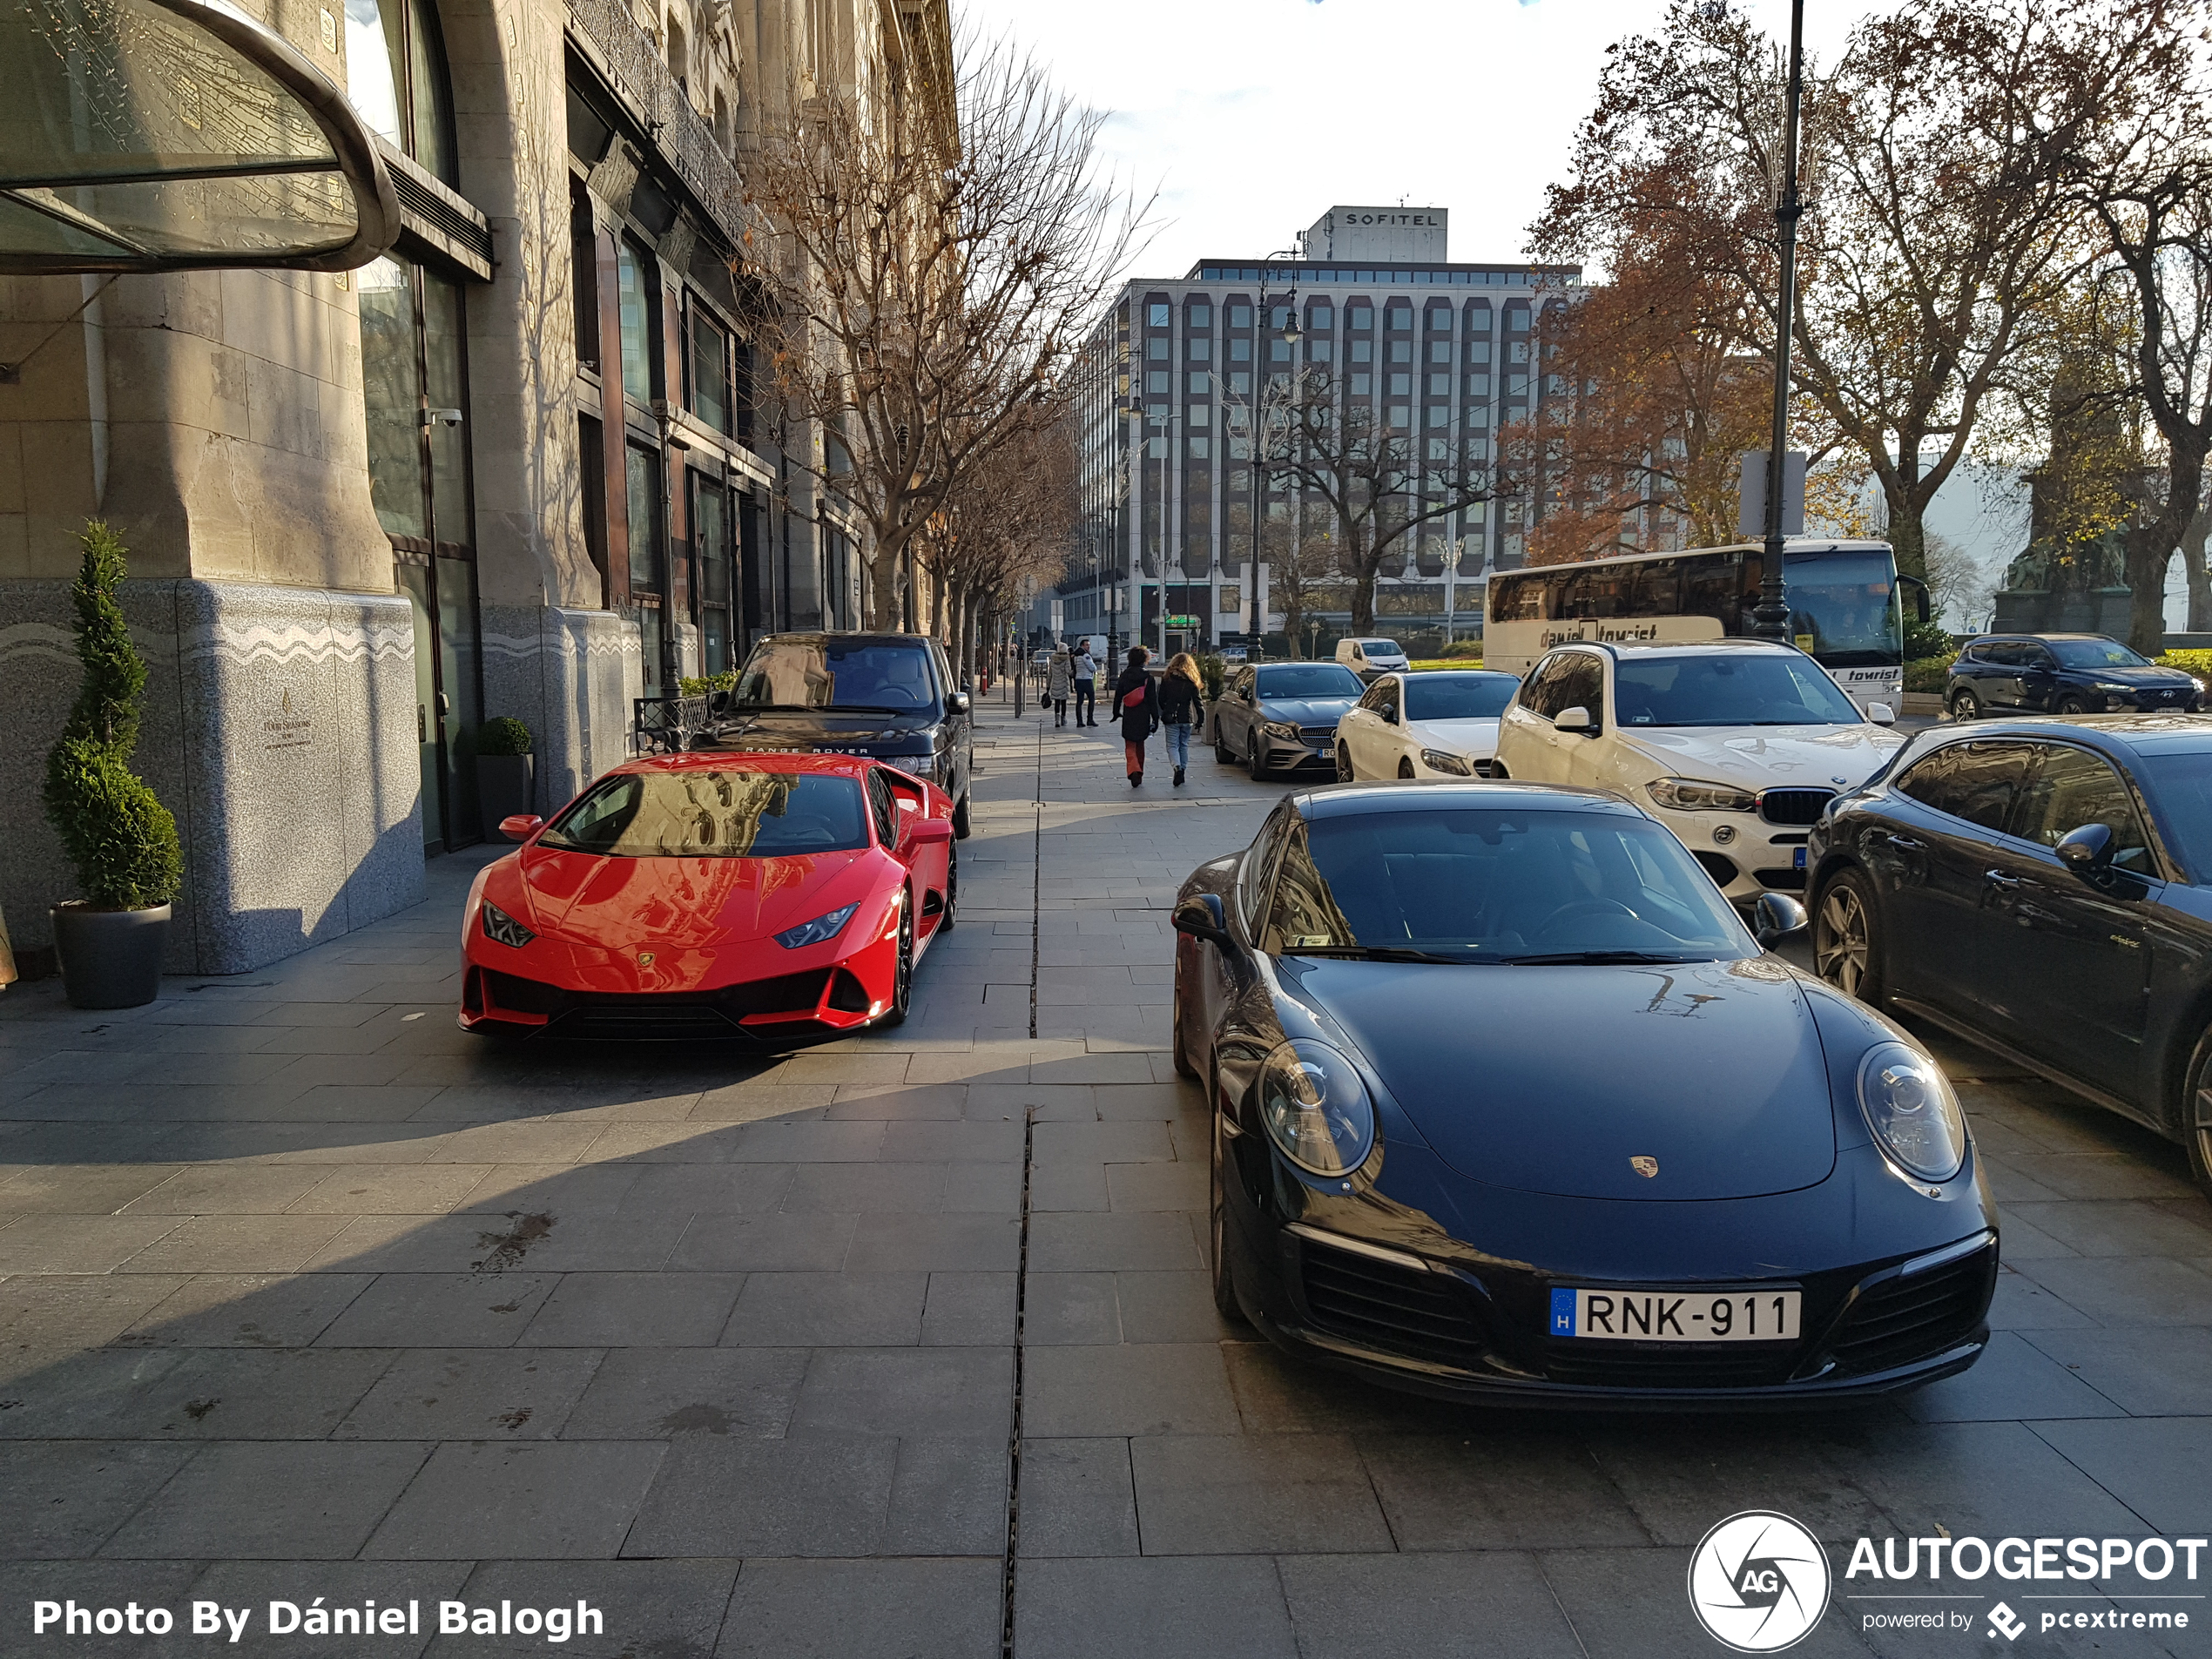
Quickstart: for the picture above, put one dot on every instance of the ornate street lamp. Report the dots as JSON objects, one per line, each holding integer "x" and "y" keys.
{"x": 1770, "y": 619}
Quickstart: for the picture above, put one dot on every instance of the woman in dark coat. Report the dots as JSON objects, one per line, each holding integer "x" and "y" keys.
{"x": 1137, "y": 705}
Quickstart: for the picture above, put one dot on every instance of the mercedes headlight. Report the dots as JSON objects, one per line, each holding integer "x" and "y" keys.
{"x": 1282, "y": 729}
{"x": 502, "y": 929}
{"x": 1441, "y": 760}
{"x": 1316, "y": 1108}
{"x": 813, "y": 933}
{"x": 1689, "y": 795}
{"x": 1910, "y": 1107}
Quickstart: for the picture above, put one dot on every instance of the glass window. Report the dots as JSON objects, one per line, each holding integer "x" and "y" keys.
{"x": 712, "y": 811}
{"x": 1398, "y": 317}
{"x": 2179, "y": 783}
{"x": 1200, "y": 316}
{"x": 1317, "y": 350}
{"x": 1240, "y": 316}
{"x": 710, "y": 370}
{"x": 826, "y": 671}
{"x": 1726, "y": 688}
{"x": 1361, "y": 384}
{"x": 1582, "y": 686}
{"x": 1401, "y": 351}
{"x": 391, "y": 388}
{"x": 1201, "y": 382}
{"x": 1157, "y": 313}
{"x": 1497, "y": 884}
{"x": 1360, "y": 317}
{"x": 1843, "y": 608}
{"x": 637, "y": 289}
{"x": 1976, "y": 781}
{"x": 395, "y": 77}
{"x": 1440, "y": 320}
{"x": 445, "y": 385}
{"x": 1458, "y": 697}
{"x": 1240, "y": 351}
{"x": 642, "y": 477}
{"x": 1401, "y": 385}
{"x": 1478, "y": 351}
{"x": 1201, "y": 350}
{"x": 1279, "y": 350}
{"x": 2095, "y": 653}
{"x": 2072, "y": 788}
{"x": 1156, "y": 382}
{"x": 1319, "y": 317}
{"x": 1155, "y": 349}
{"x": 1251, "y": 876}
{"x": 1363, "y": 351}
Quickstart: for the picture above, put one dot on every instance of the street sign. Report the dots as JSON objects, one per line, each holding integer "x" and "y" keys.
{"x": 1183, "y": 622}
{"x": 1751, "y": 494}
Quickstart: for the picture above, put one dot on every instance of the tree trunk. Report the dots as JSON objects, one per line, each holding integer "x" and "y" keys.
{"x": 2192, "y": 540}
{"x": 1907, "y": 533}
{"x": 2147, "y": 563}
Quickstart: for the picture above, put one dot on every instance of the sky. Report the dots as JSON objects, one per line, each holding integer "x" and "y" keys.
{"x": 1253, "y": 116}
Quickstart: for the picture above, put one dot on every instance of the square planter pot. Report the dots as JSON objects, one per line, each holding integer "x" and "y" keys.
{"x": 505, "y": 786}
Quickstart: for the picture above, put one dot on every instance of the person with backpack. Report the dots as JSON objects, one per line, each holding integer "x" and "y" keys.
{"x": 1086, "y": 678}
{"x": 1137, "y": 705}
{"x": 1057, "y": 674}
{"x": 1180, "y": 694}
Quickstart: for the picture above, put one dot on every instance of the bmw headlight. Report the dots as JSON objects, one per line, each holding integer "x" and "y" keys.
{"x": 1282, "y": 729}
{"x": 1910, "y": 1107}
{"x": 1690, "y": 795}
{"x": 1316, "y": 1108}
{"x": 502, "y": 929}
{"x": 823, "y": 926}
{"x": 1442, "y": 760}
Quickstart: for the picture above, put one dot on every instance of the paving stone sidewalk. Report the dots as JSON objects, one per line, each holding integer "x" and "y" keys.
{"x": 304, "y": 1293}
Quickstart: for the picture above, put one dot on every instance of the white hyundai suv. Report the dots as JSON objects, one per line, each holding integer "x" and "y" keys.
{"x": 1736, "y": 745}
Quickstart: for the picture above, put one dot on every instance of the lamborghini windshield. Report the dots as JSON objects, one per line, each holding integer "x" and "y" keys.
{"x": 724, "y": 812}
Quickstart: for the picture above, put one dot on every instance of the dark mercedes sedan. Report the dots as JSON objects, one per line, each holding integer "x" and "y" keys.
{"x": 2043, "y": 889}
{"x": 890, "y": 697}
{"x": 1283, "y": 716}
{"x": 2069, "y": 674}
{"x": 1508, "y": 1104}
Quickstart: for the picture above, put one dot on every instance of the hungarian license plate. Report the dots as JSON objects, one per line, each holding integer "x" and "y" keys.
{"x": 1669, "y": 1315}
{"x": 1797, "y": 858}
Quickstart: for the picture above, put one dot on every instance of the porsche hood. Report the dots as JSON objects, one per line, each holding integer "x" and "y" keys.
{"x": 1715, "y": 1086}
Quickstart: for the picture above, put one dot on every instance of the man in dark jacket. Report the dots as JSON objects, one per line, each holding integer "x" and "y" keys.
{"x": 1137, "y": 705}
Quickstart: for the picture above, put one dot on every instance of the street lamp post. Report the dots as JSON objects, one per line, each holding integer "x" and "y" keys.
{"x": 1252, "y": 408}
{"x": 1770, "y": 620}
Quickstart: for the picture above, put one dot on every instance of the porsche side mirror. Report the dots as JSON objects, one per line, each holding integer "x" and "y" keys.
{"x": 960, "y": 701}
{"x": 1777, "y": 919}
{"x": 1575, "y": 720}
{"x": 2087, "y": 851}
{"x": 521, "y": 827}
{"x": 1881, "y": 714}
{"x": 926, "y": 831}
{"x": 1202, "y": 917}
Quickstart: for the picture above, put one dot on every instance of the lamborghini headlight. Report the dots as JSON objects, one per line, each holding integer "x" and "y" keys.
{"x": 502, "y": 929}
{"x": 1910, "y": 1108}
{"x": 813, "y": 933}
{"x": 1316, "y": 1108}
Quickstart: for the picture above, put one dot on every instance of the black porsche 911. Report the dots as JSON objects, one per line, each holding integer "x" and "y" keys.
{"x": 1508, "y": 1104}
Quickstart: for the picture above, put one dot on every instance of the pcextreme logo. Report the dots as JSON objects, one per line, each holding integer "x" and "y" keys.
{"x": 1759, "y": 1582}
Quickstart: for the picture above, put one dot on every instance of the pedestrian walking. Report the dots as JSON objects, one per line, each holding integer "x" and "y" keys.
{"x": 1181, "y": 690}
{"x": 1057, "y": 674}
{"x": 1137, "y": 705}
{"x": 1086, "y": 667}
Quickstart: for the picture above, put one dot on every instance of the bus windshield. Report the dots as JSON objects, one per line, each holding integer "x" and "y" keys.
{"x": 1843, "y": 609}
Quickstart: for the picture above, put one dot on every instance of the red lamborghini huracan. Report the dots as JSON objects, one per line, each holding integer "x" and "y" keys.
{"x": 782, "y": 898}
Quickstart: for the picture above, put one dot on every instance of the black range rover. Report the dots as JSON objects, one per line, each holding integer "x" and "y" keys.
{"x": 889, "y": 696}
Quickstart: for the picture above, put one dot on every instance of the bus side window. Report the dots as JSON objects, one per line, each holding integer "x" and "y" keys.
{"x": 1657, "y": 593}
{"x": 1711, "y": 592}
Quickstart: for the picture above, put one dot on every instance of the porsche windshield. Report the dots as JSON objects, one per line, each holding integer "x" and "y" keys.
{"x": 1728, "y": 688}
{"x": 832, "y": 673}
{"x": 717, "y": 813}
{"x": 1490, "y": 884}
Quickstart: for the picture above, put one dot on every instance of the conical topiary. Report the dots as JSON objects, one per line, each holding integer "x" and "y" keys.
{"x": 121, "y": 839}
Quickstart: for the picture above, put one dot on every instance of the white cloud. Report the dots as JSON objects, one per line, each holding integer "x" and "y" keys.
{"x": 1254, "y": 116}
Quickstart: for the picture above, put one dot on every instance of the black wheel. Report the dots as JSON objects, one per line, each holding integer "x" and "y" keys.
{"x": 2070, "y": 704}
{"x": 1182, "y": 1054}
{"x": 902, "y": 983}
{"x": 1846, "y": 951}
{"x": 2196, "y": 1112}
{"x": 1254, "y": 764}
{"x": 945, "y": 922}
{"x": 960, "y": 819}
{"x": 1345, "y": 774}
{"x": 1221, "y": 745}
{"x": 1225, "y": 1282}
{"x": 1965, "y": 705}
{"x": 1404, "y": 767}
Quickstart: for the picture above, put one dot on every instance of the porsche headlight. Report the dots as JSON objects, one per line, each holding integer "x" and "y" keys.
{"x": 1442, "y": 760}
{"x": 502, "y": 929}
{"x": 1316, "y": 1108}
{"x": 1910, "y": 1107}
{"x": 813, "y": 933}
{"x": 1690, "y": 795}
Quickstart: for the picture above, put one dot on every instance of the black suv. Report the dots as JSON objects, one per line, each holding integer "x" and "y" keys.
{"x": 891, "y": 697}
{"x": 2062, "y": 674}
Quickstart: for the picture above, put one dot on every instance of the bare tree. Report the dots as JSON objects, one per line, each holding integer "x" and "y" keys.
{"x": 930, "y": 256}
{"x": 1009, "y": 522}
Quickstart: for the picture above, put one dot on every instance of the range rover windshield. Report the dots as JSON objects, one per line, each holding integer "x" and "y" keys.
{"x": 825, "y": 671}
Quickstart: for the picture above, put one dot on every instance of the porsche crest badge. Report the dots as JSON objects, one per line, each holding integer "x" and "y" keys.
{"x": 1646, "y": 1167}
{"x": 646, "y": 960}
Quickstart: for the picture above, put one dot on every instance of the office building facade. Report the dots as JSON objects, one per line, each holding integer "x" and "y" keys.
{"x": 1441, "y": 353}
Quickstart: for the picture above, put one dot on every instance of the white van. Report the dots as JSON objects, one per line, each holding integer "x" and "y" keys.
{"x": 1371, "y": 658}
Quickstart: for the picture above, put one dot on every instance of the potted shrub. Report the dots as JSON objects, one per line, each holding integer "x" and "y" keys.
{"x": 506, "y": 772}
{"x": 121, "y": 839}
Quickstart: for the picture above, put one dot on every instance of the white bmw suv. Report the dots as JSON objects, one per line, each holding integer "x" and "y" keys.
{"x": 1736, "y": 745}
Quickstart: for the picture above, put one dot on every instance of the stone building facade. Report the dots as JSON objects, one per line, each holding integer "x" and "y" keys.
{"x": 516, "y": 466}
{"x": 1443, "y": 352}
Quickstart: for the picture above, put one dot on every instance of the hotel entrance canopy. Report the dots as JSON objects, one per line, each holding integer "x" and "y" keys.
{"x": 166, "y": 135}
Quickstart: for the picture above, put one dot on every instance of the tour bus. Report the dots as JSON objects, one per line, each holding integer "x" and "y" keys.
{"x": 1843, "y": 598}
